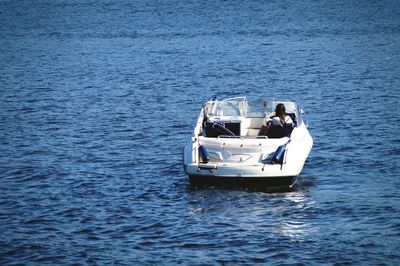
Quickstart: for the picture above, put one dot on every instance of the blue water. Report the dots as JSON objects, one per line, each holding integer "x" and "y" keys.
{"x": 98, "y": 98}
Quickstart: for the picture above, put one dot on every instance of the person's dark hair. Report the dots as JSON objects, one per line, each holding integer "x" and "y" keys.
{"x": 280, "y": 110}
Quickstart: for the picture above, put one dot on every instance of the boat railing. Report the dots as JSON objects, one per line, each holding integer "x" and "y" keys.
{"x": 241, "y": 137}
{"x": 240, "y": 98}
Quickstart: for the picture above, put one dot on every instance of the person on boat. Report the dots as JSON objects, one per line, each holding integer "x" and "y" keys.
{"x": 280, "y": 126}
{"x": 280, "y": 118}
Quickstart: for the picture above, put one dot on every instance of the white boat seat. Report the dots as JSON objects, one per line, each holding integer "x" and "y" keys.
{"x": 253, "y": 131}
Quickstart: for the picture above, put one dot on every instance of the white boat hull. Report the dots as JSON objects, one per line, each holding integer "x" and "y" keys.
{"x": 246, "y": 160}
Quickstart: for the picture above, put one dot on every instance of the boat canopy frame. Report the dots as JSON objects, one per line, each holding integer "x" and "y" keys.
{"x": 254, "y": 108}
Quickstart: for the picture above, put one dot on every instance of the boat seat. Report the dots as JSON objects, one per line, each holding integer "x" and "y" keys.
{"x": 253, "y": 126}
{"x": 256, "y": 122}
{"x": 253, "y": 131}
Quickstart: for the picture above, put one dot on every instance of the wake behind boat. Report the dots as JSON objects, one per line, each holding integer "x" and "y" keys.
{"x": 236, "y": 141}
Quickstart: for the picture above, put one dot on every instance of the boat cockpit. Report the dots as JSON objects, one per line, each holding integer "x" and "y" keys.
{"x": 242, "y": 117}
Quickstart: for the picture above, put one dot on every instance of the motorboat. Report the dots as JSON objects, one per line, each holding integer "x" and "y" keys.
{"x": 234, "y": 142}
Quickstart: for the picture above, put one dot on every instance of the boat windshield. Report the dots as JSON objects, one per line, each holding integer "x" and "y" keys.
{"x": 229, "y": 107}
{"x": 256, "y": 108}
{"x": 290, "y": 106}
{"x": 239, "y": 107}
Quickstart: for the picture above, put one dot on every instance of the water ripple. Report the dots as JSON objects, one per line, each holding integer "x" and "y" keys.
{"x": 97, "y": 103}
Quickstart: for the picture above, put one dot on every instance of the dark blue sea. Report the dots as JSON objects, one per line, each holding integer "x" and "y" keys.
{"x": 98, "y": 98}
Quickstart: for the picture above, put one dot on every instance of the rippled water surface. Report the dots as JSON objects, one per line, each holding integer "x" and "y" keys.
{"x": 99, "y": 97}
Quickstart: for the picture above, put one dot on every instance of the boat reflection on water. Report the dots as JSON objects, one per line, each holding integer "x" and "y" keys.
{"x": 295, "y": 222}
{"x": 296, "y": 229}
{"x": 302, "y": 184}
{"x": 276, "y": 215}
